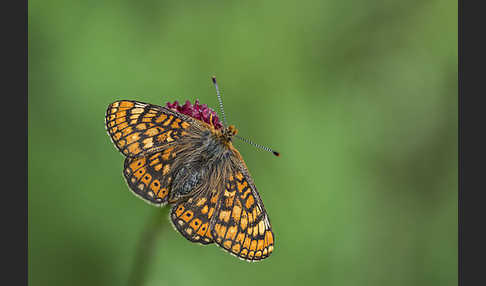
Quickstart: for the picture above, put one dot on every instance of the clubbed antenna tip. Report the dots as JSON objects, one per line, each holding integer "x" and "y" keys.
{"x": 214, "y": 79}
{"x": 258, "y": 145}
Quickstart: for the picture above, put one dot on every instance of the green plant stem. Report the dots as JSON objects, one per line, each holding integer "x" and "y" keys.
{"x": 144, "y": 255}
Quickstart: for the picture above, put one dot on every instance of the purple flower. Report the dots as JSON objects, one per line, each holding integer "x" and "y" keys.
{"x": 198, "y": 111}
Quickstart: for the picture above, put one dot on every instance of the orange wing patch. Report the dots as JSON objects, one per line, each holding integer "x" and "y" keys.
{"x": 241, "y": 225}
{"x": 136, "y": 128}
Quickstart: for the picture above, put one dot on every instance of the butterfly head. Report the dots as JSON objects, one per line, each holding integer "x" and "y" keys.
{"x": 229, "y": 132}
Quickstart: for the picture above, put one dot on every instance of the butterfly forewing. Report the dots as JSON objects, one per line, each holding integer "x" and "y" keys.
{"x": 138, "y": 128}
{"x": 241, "y": 225}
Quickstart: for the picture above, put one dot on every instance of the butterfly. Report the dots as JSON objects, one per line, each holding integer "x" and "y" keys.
{"x": 183, "y": 156}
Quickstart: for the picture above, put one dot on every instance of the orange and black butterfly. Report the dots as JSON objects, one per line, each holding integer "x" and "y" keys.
{"x": 183, "y": 156}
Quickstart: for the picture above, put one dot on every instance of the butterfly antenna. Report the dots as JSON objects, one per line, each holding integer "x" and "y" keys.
{"x": 258, "y": 145}
{"x": 220, "y": 100}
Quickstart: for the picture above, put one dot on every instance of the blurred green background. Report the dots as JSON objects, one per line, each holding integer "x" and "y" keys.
{"x": 360, "y": 98}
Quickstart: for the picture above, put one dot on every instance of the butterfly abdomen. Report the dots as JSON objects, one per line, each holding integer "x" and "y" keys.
{"x": 186, "y": 179}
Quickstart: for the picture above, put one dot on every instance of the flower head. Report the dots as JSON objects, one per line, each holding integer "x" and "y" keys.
{"x": 198, "y": 111}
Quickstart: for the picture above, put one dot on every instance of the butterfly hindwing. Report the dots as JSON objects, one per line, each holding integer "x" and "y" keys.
{"x": 192, "y": 218}
{"x": 241, "y": 225}
{"x": 137, "y": 128}
{"x": 150, "y": 177}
